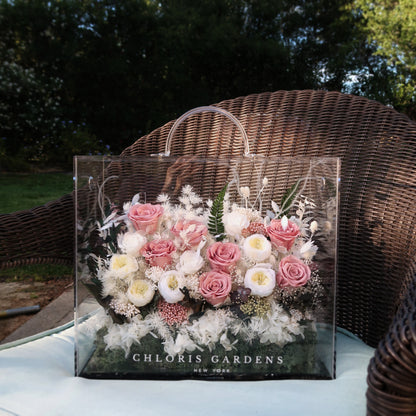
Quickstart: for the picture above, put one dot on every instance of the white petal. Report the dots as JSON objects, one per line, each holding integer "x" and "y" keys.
{"x": 170, "y": 285}
{"x": 257, "y": 247}
{"x": 284, "y": 222}
{"x": 260, "y": 280}
{"x": 140, "y": 292}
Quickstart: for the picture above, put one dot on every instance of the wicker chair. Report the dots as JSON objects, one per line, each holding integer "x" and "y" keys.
{"x": 377, "y": 244}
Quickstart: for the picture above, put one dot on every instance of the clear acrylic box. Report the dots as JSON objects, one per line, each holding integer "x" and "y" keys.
{"x": 206, "y": 269}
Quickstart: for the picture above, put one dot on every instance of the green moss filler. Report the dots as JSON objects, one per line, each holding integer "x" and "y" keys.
{"x": 246, "y": 361}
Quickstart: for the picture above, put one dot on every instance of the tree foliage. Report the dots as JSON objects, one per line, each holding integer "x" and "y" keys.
{"x": 92, "y": 75}
{"x": 29, "y": 106}
{"x": 391, "y": 28}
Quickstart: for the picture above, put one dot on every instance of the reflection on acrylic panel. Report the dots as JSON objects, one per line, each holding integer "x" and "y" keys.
{"x": 211, "y": 269}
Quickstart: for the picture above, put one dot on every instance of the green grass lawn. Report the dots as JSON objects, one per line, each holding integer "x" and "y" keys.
{"x": 25, "y": 191}
{"x": 36, "y": 273}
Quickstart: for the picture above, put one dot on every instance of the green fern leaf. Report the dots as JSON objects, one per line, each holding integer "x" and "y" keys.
{"x": 215, "y": 224}
{"x": 288, "y": 198}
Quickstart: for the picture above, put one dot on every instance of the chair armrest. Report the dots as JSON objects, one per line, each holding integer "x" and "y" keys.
{"x": 392, "y": 371}
{"x": 44, "y": 234}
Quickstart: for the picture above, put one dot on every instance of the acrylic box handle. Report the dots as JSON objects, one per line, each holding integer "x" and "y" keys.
{"x": 201, "y": 110}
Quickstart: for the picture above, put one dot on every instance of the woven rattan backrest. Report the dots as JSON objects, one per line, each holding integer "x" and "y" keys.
{"x": 377, "y": 147}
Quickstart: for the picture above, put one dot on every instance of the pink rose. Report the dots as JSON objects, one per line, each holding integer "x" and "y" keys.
{"x": 189, "y": 233}
{"x": 280, "y": 237}
{"x": 223, "y": 256}
{"x": 292, "y": 272}
{"x": 215, "y": 286}
{"x": 158, "y": 253}
{"x": 145, "y": 217}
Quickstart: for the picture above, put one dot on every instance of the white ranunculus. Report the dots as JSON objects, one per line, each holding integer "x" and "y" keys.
{"x": 190, "y": 262}
{"x": 260, "y": 280}
{"x": 257, "y": 247}
{"x": 131, "y": 243}
{"x": 234, "y": 223}
{"x": 140, "y": 292}
{"x": 122, "y": 265}
{"x": 170, "y": 285}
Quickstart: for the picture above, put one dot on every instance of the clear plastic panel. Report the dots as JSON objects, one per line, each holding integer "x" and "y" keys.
{"x": 207, "y": 269}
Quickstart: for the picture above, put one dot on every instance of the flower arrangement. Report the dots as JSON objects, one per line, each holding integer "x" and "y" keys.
{"x": 206, "y": 275}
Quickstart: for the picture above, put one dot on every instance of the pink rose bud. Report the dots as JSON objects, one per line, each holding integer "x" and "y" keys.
{"x": 215, "y": 286}
{"x": 223, "y": 256}
{"x": 145, "y": 217}
{"x": 189, "y": 233}
{"x": 282, "y": 237}
{"x": 292, "y": 272}
{"x": 158, "y": 253}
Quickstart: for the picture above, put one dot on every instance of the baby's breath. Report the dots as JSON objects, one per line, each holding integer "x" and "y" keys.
{"x": 192, "y": 284}
{"x": 275, "y": 319}
{"x": 163, "y": 198}
{"x": 187, "y": 190}
{"x": 126, "y": 309}
{"x": 154, "y": 274}
{"x": 256, "y": 306}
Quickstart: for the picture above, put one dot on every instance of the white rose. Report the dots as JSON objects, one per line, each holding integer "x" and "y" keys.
{"x": 122, "y": 265}
{"x": 234, "y": 223}
{"x": 131, "y": 243}
{"x": 170, "y": 285}
{"x": 190, "y": 262}
{"x": 140, "y": 292}
{"x": 257, "y": 247}
{"x": 260, "y": 280}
